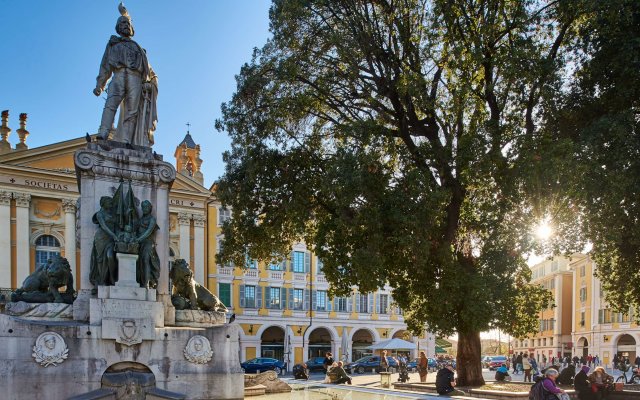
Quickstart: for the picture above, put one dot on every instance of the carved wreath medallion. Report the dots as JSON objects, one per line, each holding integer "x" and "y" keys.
{"x": 50, "y": 349}
{"x": 198, "y": 350}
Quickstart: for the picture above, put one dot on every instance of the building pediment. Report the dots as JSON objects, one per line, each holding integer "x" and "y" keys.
{"x": 52, "y": 157}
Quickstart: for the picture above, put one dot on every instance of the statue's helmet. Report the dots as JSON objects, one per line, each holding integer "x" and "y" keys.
{"x": 125, "y": 18}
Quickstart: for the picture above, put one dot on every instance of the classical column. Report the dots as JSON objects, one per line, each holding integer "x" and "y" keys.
{"x": 5, "y": 239}
{"x": 69, "y": 207}
{"x": 198, "y": 248}
{"x": 22, "y": 236}
{"x": 184, "y": 220}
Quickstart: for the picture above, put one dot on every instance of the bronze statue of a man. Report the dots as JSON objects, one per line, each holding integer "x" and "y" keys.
{"x": 133, "y": 86}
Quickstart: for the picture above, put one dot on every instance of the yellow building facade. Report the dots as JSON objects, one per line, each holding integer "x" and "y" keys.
{"x": 283, "y": 309}
{"x": 553, "y": 339}
{"x": 597, "y": 330}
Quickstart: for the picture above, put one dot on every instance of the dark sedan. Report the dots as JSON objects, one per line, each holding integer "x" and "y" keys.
{"x": 369, "y": 363}
{"x": 262, "y": 364}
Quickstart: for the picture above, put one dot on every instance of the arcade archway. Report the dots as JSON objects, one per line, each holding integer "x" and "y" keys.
{"x": 582, "y": 347}
{"x": 319, "y": 342}
{"x": 362, "y": 339}
{"x": 272, "y": 343}
{"x": 626, "y": 347}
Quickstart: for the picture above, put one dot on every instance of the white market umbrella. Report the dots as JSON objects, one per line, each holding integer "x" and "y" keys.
{"x": 344, "y": 345}
{"x": 393, "y": 344}
{"x": 287, "y": 347}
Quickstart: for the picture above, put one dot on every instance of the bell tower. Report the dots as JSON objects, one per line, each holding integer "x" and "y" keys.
{"x": 188, "y": 161}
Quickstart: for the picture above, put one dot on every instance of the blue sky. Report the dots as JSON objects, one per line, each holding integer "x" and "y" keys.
{"x": 52, "y": 51}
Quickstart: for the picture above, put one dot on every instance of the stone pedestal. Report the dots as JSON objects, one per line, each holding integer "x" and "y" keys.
{"x": 100, "y": 168}
{"x": 127, "y": 270}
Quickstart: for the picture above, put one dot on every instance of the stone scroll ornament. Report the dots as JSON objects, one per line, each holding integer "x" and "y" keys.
{"x": 198, "y": 350}
{"x": 50, "y": 349}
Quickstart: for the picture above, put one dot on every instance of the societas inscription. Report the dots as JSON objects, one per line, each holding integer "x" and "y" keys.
{"x": 46, "y": 185}
{"x": 38, "y": 183}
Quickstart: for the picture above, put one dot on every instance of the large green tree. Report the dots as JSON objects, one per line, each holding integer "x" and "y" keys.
{"x": 398, "y": 139}
{"x": 600, "y": 115}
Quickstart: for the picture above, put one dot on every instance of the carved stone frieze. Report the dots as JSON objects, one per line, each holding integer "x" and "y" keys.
{"x": 198, "y": 350}
{"x": 50, "y": 349}
{"x": 137, "y": 164}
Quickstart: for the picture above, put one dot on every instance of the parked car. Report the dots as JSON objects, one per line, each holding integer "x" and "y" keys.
{"x": 315, "y": 364}
{"x": 369, "y": 363}
{"x": 262, "y": 364}
{"x": 496, "y": 361}
{"x": 432, "y": 364}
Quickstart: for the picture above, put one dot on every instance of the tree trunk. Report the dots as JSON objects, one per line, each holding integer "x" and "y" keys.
{"x": 468, "y": 363}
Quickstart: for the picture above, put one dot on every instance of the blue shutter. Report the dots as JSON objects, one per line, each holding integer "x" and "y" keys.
{"x": 350, "y": 303}
{"x": 267, "y": 297}
{"x": 283, "y": 265}
{"x": 283, "y": 298}
{"x": 370, "y": 298}
{"x": 329, "y": 303}
{"x": 307, "y": 261}
{"x": 314, "y": 300}
{"x": 290, "y": 295}
{"x": 258, "y": 296}
{"x": 377, "y": 303}
{"x": 305, "y": 306}
{"x": 242, "y": 305}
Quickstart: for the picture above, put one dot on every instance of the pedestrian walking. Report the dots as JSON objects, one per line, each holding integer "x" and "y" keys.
{"x": 519, "y": 363}
{"x": 526, "y": 367}
{"x": 423, "y": 367}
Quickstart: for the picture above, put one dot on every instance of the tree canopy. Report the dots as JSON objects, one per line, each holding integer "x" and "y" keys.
{"x": 599, "y": 115}
{"x": 400, "y": 140}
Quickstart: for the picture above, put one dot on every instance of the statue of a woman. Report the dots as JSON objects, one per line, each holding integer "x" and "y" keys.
{"x": 148, "y": 270}
{"x": 104, "y": 269}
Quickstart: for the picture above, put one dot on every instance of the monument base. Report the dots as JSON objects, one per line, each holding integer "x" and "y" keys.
{"x": 86, "y": 356}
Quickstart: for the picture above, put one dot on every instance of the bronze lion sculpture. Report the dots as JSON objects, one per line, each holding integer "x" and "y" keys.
{"x": 189, "y": 294}
{"x": 43, "y": 285}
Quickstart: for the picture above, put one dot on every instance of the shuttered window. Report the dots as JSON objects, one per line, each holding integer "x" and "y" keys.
{"x": 224, "y": 293}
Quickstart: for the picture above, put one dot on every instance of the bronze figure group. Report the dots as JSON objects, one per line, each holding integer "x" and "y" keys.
{"x": 121, "y": 229}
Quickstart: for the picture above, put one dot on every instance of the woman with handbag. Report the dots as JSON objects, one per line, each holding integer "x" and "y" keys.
{"x": 550, "y": 388}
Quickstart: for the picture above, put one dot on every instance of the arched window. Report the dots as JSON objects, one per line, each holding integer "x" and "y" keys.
{"x": 46, "y": 247}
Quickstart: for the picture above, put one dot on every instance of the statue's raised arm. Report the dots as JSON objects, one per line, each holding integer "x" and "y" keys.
{"x": 133, "y": 87}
